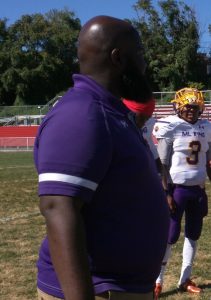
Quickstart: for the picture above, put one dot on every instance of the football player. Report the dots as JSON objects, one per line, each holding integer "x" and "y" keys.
{"x": 184, "y": 147}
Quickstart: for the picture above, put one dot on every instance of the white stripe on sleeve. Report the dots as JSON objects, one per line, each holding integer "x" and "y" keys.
{"x": 68, "y": 179}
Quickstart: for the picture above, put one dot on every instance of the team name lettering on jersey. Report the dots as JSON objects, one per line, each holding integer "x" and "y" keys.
{"x": 186, "y": 133}
{"x": 202, "y": 134}
{"x": 195, "y": 133}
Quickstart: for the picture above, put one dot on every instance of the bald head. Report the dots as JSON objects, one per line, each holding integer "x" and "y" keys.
{"x": 104, "y": 32}
{"x": 98, "y": 37}
{"x": 110, "y": 50}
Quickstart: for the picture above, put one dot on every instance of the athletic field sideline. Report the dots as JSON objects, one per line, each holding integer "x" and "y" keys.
{"x": 22, "y": 229}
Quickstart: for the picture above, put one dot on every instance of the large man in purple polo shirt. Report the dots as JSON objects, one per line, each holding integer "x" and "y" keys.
{"x": 105, "y": 210}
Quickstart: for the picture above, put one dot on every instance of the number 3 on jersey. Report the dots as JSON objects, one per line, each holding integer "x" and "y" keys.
{"x": 195, "y": 147}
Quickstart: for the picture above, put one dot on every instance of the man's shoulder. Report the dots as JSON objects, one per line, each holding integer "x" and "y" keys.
{"x": 205, "y": 123}
{"x": 75, "y": 111}
{"x": 166, "y": 124}
{"x": 173, "y": 119}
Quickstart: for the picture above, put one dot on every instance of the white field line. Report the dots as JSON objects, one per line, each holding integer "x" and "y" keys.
{"x": 20, "y": 180}
{"x": 17, "y": 167}
{"x": 20, "y": 216}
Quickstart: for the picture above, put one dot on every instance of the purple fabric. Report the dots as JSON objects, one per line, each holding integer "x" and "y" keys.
{"x": 88, "y": 135}
{"x": 193, "y": 201}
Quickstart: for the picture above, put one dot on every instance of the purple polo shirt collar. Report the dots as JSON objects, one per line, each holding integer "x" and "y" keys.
{"x": 86, "y": 82}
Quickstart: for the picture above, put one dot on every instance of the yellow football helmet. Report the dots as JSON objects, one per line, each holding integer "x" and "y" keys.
{"x": 188, "y": 96}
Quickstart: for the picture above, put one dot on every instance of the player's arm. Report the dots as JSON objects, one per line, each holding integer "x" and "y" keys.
{"x": 209, "y": 162}
{"x": 67, "y": 245}
{"x": 165, "y": 153}
{"x": 154, "y": 151}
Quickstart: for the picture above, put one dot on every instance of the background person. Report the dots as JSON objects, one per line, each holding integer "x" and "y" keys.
{"x": 94, "y": 175}
{"x": 184, "y": 145}
{"x": 145, "y": 121}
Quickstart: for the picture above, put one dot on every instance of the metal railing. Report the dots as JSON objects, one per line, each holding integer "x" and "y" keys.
{"x": 8, "y": 112}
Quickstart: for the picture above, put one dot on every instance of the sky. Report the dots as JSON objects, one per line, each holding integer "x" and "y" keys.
{"x": 86, "y": 9}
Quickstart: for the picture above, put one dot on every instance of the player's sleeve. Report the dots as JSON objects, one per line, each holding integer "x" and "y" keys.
{"x": 163, "y": 129}
{"x": 165, "y": 148}
{"x": 73, "y": 156}
{"x": 153, "y": 148}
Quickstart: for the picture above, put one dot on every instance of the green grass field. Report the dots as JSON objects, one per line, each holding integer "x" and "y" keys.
{"x": 22, "y": 229}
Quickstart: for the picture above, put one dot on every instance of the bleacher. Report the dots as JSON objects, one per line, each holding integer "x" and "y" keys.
{"x": 162, "y": 111}
{"x": 22, "y": 137}
{"x": 17, "y": 137}
{"x": 18, "y": 131}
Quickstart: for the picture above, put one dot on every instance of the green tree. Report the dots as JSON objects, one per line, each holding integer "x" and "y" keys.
{"x": 41, "y": 56}
{"x": 170, "y": 36}
{"x": 5, "y": 94}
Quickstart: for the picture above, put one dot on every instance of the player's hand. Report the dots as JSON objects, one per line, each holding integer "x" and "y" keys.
{"x": 171, "y": 203}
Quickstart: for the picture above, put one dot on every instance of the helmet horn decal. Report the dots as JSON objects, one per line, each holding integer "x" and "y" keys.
{"x": 188, "y": 96}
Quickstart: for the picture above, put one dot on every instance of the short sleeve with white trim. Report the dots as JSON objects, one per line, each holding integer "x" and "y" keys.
{"x": 73, "y": 148}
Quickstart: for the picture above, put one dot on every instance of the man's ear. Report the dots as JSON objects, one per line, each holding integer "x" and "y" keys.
{"x": 116, "y": 58}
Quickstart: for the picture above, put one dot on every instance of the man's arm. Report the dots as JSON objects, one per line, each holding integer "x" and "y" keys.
{"x": 66, "y": 237}
{"x": 168, "y": 185}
